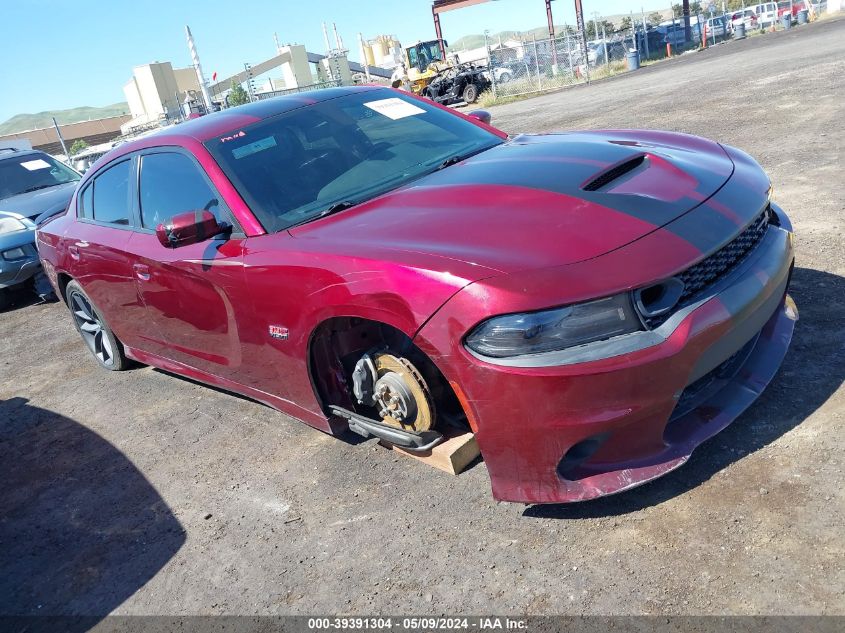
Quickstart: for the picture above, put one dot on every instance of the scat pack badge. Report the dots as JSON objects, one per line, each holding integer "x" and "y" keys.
{"x": 278, "y": 332}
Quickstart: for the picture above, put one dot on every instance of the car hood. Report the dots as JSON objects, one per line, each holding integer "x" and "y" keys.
{"x": 536, "y": 201}
{"x": 42, "y": 202}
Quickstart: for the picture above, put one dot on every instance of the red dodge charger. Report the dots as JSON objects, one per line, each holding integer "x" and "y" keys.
{"x": 592, "y": 305}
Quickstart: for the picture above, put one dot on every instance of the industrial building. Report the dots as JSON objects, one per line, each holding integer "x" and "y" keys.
{"x": 158, "y": 91}
{"x": 92, "y": 132}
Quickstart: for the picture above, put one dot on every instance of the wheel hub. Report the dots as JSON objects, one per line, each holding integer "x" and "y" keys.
{"x": 401, "y": 394}
{"x": 394, "y": 398}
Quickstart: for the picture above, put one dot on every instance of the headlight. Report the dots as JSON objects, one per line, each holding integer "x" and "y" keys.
{"x": 13, "y": 254}
{"x": 551, "y": 330}
{"x": 10, "y": 225}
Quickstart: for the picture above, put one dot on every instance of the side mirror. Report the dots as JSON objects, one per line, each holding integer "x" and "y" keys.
{"x": 188, "y": 228}
{"x": 481, "y": 115}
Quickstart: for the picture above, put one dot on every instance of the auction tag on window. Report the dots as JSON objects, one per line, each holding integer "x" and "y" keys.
{"x": 253, "y": 148}
{"x": 38, "y": 163}
{"x": 394, "y": 108}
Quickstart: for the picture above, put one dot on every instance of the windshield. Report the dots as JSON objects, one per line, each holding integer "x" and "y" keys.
{"x": 31, "y": 172}
{"x": 423, "y": 54}
{"x": 292, "y": 167}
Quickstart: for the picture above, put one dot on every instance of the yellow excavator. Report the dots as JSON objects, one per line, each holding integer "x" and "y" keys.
{"x": 420, "y": 64}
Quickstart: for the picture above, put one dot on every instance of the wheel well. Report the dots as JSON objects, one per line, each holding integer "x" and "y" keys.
{"x": 63, "y": 280}
{"x": 338, "y": 343}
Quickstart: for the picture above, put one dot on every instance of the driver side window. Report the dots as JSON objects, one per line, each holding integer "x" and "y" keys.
{"x": 171, "y": 184}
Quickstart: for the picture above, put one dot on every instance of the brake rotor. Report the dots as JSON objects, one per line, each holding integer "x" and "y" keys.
{"x": 401, "y": 395}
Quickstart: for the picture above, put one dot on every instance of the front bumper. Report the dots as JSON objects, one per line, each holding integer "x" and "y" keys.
{"x": 578, "y": 431}
{"x": 17, "y": 270}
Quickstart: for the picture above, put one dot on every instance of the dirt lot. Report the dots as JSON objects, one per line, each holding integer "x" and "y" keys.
{"x": 144, "y": 493}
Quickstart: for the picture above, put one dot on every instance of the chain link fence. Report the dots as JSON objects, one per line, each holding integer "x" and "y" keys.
{"x": 526, "y": 66}
{"x": 259, "y": 96}
{"x": 523, "y": 65}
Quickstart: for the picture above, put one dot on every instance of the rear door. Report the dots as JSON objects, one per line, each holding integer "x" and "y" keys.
{"x": 194, "y": 294}
{"x": 97, "y": 245}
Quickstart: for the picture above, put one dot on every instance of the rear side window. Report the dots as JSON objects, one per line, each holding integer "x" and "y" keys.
{"x": 171, "y": 184}
{"x": 86, "y": 203}
{"x": 111, "y": 194}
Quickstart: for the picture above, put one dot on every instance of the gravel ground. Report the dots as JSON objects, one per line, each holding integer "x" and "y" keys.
{"x": 142, "y": 493}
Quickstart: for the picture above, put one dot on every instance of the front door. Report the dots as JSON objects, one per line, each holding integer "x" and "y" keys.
{"x": 194, "y": 294}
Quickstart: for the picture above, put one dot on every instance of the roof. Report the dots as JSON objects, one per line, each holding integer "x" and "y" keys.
{"x": 217, "y": 123}
{"x": 14, "y": 153}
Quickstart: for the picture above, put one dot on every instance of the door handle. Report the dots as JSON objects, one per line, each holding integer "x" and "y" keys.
{"x": 142, "y": 272}
{"x": 73, "y": 249}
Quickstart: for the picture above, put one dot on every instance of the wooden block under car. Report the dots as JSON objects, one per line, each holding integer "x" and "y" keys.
{"x": 454, "y": 454}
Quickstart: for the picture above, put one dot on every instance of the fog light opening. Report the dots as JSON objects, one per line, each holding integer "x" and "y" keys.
{"x": 578, "y": 454}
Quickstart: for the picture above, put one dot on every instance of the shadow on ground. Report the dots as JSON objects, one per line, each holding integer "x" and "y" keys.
{"x": 18, "y": 298}
{"x": 812, "y": 371}
{"x": 81, "y": 528}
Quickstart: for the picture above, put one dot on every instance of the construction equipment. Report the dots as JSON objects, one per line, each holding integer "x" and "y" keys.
{"x": 420, "y": 64}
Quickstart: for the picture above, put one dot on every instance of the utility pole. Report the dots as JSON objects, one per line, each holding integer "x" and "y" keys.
{"x": 61, "y": 138}
{"x": 250, "y": 85}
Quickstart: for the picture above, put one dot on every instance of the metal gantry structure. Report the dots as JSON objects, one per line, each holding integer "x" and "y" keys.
{"x": 442, "y": 6}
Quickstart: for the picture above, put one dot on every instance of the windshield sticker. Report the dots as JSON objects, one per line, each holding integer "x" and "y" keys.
{"x": 33, "y": 165}
{"x": 224, "y": 139}
{"x": 252, "y": 148}
{"x": 394, "y": 108}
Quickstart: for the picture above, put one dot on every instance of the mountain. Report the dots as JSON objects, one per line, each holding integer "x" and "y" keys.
{"x": 23, "y": 122}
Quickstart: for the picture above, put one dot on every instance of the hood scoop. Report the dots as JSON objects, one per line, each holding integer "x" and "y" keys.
{"x": 614, "y": 173}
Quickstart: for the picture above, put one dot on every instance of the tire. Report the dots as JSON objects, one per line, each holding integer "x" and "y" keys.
{"x": 4, "y": 299}
{"x": 470, "y": 93}
{"x": 504, "y": 78}
{"x": 98, "y": 337}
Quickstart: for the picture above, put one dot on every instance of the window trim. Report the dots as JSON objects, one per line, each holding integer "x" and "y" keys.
{"x": 228, "y": 215}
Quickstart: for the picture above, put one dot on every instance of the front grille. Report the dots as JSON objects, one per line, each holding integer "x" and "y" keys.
{"x": 700, "y": 276}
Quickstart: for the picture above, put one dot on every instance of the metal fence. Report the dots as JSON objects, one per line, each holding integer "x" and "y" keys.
{"x": 528, "y": 65}
{"x": 521, "y": 67}
{"x": 289, "y": 91}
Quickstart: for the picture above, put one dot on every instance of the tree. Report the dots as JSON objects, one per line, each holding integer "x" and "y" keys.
{"x": 626, "y": 23}
{"x": 237, "y": 95}
{"x": 695, "y": 8}
{"x": 655, "y": 18}
{"x": 77, "y": 146}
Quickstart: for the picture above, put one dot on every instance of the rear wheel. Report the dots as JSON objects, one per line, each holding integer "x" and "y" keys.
{"x": 4, "y": 298}
{"x": 99, "y": 338}
{"x": 470, "y": 93}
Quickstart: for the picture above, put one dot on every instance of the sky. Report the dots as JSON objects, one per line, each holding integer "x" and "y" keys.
{"x": 57, "y": 54}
